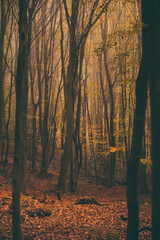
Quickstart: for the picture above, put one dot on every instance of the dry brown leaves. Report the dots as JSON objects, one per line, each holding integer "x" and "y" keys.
{"x": 67, "y": 220}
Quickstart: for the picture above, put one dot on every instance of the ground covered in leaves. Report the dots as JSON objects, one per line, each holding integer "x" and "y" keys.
{"x": 44, "y": 216}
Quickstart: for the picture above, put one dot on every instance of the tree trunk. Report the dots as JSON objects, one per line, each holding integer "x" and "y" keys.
{"x": 2, "y": 32}
{"x": 67, "y": 155}
{"x": 45, "y": 133}
{"x": 85, "y": 131}
{"x": 112, "y": 142}
{"x": 34, "y": 121}
{"x": 7, "y": 124}
{"x": 69, "y": 96}
{"x": 138, "y": 131}
{"x": 142, "y": 169}
{"x": 21, "y": 84}
{"x": 154, "y": 8}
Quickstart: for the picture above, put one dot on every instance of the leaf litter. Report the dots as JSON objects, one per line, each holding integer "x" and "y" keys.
{"x": 44, "y": 215}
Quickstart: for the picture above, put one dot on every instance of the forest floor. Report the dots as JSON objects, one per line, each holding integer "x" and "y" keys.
{"x": 44, "y": 216}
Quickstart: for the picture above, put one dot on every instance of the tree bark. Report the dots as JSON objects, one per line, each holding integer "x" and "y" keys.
{"x": 154, "y": 27}
{"x": 21, "y": 84}
{"x": 112, "y": 142}
{"x": 2, "y": 33}
{"x": 69, "y": 97}
{"x": 138, "y": 131}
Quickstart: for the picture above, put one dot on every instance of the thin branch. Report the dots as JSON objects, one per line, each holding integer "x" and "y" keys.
{"x": 34, "y": 4}
{"x": 90, "y": 23}
{"x": 46, "y": 24}
{"x": 67, "y": 14}
{"x": 9, "y": 67}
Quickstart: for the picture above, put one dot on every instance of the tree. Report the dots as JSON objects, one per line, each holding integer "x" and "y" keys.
{"x": 5, "y": 12}
{"x": 138, "y": 131}
{"x": 49, "y": 71}
{"x": 19, "y": 165}
{"x": 71, "y": 83}
{"x": 21, "y": 82}
{"x": 111, "y": 83}
{"x": 154, "y": 49}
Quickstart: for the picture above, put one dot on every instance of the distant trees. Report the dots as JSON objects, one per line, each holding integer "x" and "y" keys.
{"x": 76, "y": 44}
{"x": 72, "y": 66}
{"x": 95, "y": 131}
{"x": 5, "y": 8}
{"x": 109, "y": 114}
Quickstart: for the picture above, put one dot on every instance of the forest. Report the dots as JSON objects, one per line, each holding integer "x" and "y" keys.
{"x": 79, "y": 119}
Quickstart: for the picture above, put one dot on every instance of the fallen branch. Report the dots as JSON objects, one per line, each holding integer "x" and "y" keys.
{"x": 87, "y": 201}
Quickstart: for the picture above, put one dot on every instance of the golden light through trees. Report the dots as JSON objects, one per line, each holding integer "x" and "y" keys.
{"x": 68, "y": 73}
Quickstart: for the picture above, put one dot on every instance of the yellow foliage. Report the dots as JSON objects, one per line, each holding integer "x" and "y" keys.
{"x": 146, "y": 161}
{"x": 116, "y": 149}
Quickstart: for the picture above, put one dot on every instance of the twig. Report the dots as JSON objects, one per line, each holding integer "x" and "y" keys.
{"x": 6, "y": 235}
{"x": 34, "y": 235}
{"x": 145, "y": 229}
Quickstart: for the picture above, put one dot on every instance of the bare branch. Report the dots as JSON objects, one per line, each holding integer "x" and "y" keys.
{"x": 90, "y": 23}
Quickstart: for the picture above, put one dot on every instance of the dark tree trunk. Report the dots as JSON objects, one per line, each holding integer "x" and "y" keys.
{"x": 138, "y": 130}
{"x": 69, "y": 97}
{"x": 34, "y": 149}
{"x": 2, "y": 33}
{"x": 21, "y": 84}
{"x": 112, "y": 142}
{"x": 154, "y": 8}
{"x": 44, "y": 140}
{"x": 7, "y": 125}
{"x": 85, "y": 121}
{"x": 78, "y": 146}
{"x": 28, "y": 27}
{"x": 45, "y": 133}
{"x": 142, "y": 170}
{"x": 34, "y": 124}
{"x": 92, "y": 143}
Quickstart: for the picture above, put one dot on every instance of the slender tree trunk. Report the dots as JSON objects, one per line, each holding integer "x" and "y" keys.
{"x": 44, "y": 140}
{"x": 85, "y": 131}
{"x": 138, "y": 131}
{"x": 69, "y": 97}
{"x": 2, "y": 32}
{"x": 28, "y": 27}
{"x": 154, "y": 8}
{"x": 142, "y": 169}
{"x": 34, "y": 121}
{"x": 34, "y": 149}
{"x": 7, "y": 125}
{"x": 76, "y": 137}
{"x": 67, "y": 155}
{"x": 77, "y": 142}
{"x": 84, "y": 110}
{"x": 21, "y": 82}
{"x": 92, "y": 143}
{"x": 44, "y": 164}
{"x": 112, "y": 106}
